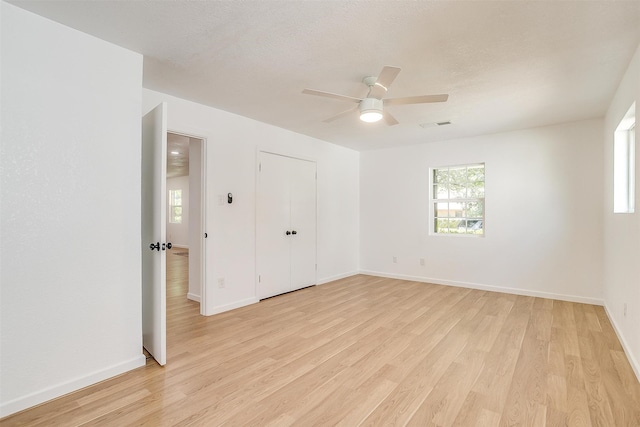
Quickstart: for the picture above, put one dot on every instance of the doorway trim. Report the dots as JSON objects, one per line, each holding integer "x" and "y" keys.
{"x": 203, "y": 210}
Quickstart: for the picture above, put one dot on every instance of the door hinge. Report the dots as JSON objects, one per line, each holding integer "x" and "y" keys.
{"x": 259, "y": 278}
{"x": 316, "y": 267}
{"x": 259, "y": 167}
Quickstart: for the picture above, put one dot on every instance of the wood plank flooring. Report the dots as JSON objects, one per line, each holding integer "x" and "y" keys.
{"x": 373, "y": 352}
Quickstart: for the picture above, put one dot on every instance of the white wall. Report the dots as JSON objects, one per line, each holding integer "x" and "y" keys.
{"x": 232, "y": 143}
{"x": 178, "y": 234}
{"x": 70, "y": 228}
{"x": 622, "y": 231}
{"x": 543, "y": 213}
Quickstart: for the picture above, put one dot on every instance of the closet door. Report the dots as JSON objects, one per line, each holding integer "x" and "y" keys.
{"x": 273, "y": 213}
{"x": 285, "y": 224}
{"x": 303, "y": 223}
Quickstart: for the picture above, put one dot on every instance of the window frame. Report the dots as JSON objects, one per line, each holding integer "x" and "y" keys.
{"x": 432, "y": 215}
{"x": 624, "y": 141}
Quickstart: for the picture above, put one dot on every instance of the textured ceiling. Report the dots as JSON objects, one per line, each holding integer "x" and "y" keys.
{"x": 177, "y": 155}
{"x": 506, "y": 64}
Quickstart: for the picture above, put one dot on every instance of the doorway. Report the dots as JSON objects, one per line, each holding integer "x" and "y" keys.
{"x": 185, "y": 214}
{"x": 155, "y": 244}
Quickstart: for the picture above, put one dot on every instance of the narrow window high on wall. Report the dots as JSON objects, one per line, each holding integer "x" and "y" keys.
{"x": 175, "y": 206}
{"x": 624, "y": 159}
{"x": 457, "y": 200}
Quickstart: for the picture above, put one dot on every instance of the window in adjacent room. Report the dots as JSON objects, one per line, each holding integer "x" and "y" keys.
{"x": 624, "y": 158}
{"x": 457, "y": 199}
{"x": 175, "y": 206}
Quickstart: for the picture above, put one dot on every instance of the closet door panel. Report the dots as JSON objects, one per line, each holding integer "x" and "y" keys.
{"x": 303, "y": 223}
{"x": 273, "y": 212}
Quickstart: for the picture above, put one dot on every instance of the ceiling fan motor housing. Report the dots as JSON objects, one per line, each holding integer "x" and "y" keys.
{"x": 371, "y": 105}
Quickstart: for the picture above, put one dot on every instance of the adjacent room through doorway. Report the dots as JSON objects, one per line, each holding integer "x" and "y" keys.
{"x": 184, "y": 211}
{"x": 184, "y": 218}
{"x": 178, "y": 214}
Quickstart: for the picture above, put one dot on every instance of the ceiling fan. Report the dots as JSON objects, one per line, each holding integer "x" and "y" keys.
{"x": 372, "y": 106}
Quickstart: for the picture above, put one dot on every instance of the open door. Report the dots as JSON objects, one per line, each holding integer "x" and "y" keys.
{"x": 154, "y": 258}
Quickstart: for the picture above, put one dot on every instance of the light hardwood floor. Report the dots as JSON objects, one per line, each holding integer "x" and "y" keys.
{"x": 374, "y": 352}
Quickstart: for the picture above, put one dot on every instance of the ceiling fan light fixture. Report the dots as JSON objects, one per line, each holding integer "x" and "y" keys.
{"x": 371, "y": 110}
{"x": 371, "y": 116}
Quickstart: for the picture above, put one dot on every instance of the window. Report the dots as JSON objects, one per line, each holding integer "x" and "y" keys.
{"x": 457, "y": 199}
{"x": 624, "y": 160}
{"x": 175, "y": 206}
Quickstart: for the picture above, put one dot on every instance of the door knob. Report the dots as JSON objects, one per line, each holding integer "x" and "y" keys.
{"x": 288, "y": 232}
{"x": 169, "y": 245}
{"x": 156, "y": 246}
{"x": 294, "y": 232}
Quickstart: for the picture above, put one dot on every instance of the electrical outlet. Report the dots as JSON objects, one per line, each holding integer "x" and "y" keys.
{"x": 221, "y": 282}
{"x": 625, "y": 310}
{"x": 395, "y": 259}
{"x": 422, "y": 262}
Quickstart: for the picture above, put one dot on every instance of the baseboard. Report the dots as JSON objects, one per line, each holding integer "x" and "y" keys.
{"x": 490, "y": 288}
{"x": 627, "y": 350}
{"x": 237, "y": 304}
{"x": 193, "y": 297}
{"x": 249, "y": 301}
{"x": 33, "y": 399}
{"x": 336, "y": 277}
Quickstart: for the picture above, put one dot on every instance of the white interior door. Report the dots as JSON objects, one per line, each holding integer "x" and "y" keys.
{"x": 285, "y": 224}
{"x": 272, "y": 225}
{"x": 303, "y": 223}
{"x": 154, "y": 189}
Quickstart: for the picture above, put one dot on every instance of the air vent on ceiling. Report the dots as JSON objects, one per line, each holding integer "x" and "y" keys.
{"x": 432, "y": 124}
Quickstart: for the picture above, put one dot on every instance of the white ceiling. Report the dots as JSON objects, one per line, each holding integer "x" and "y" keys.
{"x": 505, "y": 64}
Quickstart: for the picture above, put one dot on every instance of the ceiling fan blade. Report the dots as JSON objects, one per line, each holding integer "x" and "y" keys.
{"x": 391, "y": 121}
{"x": 339, "y": 115}
{"x": 424, "y": 99}
{"x": 331, "y": 95}
{"x": 384, "y": 80}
